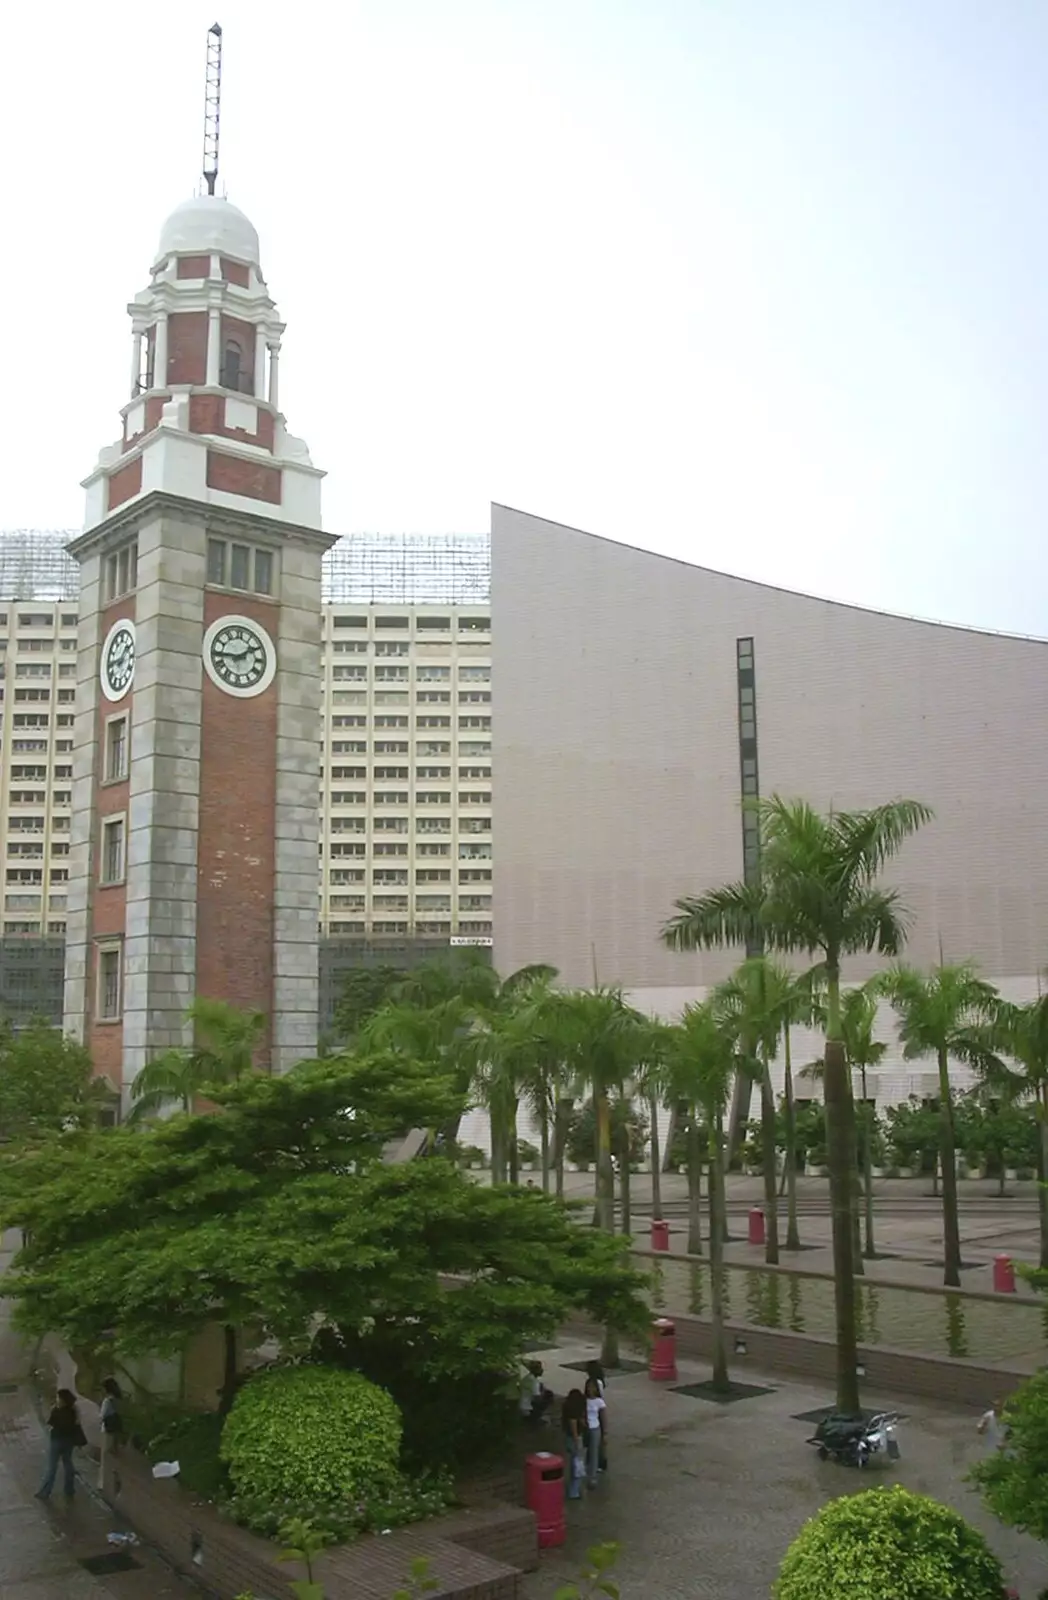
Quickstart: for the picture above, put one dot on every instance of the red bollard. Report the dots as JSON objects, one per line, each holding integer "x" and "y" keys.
{"x": 544, "y": 1494}
{"x": 1003, "y": 1275}
{"x": 663, "y": 1366}
{"x": 756, "y": 1226}
{"x": 660, "y": 1235}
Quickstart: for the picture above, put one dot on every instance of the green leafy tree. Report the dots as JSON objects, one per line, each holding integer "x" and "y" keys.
{"x": 226, "y": 1041}
{"x": 506, "y": 1053}
{"x": 1014, "y": 1481}
{"x": 946, "y": 1014}
{"x": 279, "y": 1211}
{"x": 886, "y": 1544}
{"x": 365, "y": 990}
{"x": 818, "y": 893}
{"x": 46, "y": 1084}
{"x": 700, "y": 1073}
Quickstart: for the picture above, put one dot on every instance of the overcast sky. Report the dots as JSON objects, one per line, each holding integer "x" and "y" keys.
{"x": 756, "y": 283}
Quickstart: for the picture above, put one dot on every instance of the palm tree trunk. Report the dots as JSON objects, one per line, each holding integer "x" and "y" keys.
{"x": 771, "y": 1200}
{"x": 1042, "y": 1187}
{"x": 869, "y": 1247}
{"x": 951, "y": 1225}
{"x": 656, "y": 1160}
{"x": 694, "y": 1140}
{"x": 624, "y": 1187}
{"x": 793, "y": 1238}
{"x": 859, "y": 1264}
{"x": 496, "y": 1123}
{"x": 605, "y": 1184}
{"x": 512, "y": 1141}
{"x": 561, "y": 1119}
{"x": 720, "y": 1379}
{"x": 544, "y": 1144}
{"x": 722, "y": 1203}
{"x": 840, "y": 1158}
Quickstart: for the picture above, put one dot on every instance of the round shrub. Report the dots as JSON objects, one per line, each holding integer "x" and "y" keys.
{"x": 888, "y": 1544}
{"x": 312, "y": 1433}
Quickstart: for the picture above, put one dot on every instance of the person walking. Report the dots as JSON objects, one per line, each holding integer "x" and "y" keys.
{"x": 596, "y": 1430}
{"x": 573, "y": 1423}
{"x": 112, "y": 1425}
{"x": 66, "y": 1435}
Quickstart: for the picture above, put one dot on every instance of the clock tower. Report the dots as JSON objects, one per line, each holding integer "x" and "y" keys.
{"x": 193, "y": 859}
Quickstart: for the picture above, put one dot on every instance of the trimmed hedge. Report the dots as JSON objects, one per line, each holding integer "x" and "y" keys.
{"x": 888, "y": 1544}
{"x": 312, "y": 1433}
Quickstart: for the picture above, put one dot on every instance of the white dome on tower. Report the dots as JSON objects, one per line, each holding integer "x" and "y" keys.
{"x": 209, "y": 224}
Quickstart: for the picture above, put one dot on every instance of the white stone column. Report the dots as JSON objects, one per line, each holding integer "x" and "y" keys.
{"x": 260, "y": 363}
{"x": 136, "y": 361}
{"x": 160, "y": 353}
{"x": 274, "y": 374}
{"x": 214, "y": 346}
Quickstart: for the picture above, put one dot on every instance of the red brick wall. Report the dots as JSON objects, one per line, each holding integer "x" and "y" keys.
{"x": 207, "y": 415}
{"x": 107, "y": 907}
{"x": 244, "y": 334}
{"x": 193, "y": 266}
{"x": 234, "y": 475}
{"x": 186, "y": 348}
{"x": 235, "y": 853}
{"x": 235, "y": 272}
{"x": 124, "y": 483}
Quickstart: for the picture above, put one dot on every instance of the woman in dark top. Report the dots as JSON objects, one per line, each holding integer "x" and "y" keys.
{"x": 66, "y": 1435}
{"x": 573, "y": 1422}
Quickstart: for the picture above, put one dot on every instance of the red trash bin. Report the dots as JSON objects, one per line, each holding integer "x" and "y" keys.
{"x": 1003, "y": 1275}
{"x": 660, "y": 1235}
{"x": 756, "y": 1226}
{"x": 663, "y": 1365}
{"x": 544, "y": 1493}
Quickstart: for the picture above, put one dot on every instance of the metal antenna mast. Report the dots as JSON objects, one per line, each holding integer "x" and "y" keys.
{"x": 212, "y": 104}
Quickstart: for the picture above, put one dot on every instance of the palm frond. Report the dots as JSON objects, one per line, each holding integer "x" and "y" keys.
{"x": 732, "y": 915}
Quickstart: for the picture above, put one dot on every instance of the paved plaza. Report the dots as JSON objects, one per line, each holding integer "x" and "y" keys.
{"x": 703, "y": 1498}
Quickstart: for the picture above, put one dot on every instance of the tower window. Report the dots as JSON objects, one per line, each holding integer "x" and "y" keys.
{"x": 112, "y": 850}
{"x": 110, "y": 982}
{"x": 121, "y": 571}
{"x": 234, "y": 374}
{"x": 116, "y": 749}
{"x": 240, "y": 566}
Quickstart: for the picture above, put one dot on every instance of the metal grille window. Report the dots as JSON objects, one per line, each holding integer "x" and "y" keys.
{"x": 110, "y": 982}
{"x": 113, "y": 850}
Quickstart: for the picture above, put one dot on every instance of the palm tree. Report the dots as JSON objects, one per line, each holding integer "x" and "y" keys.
{"x": 947, "y": 1013}
{"x": 1021, "y": 1032}
{"x": 602, "y": 1042}
{"x": 655, "y": 1044}
{"x": 511, "y": 1057}
{"x": 818, "y": 893}
{"x": 796, "y": 1006}
{"x": 858, "y": 1019}
{"x": 700, "y": 1072}
{"x": 751, "y": 1001}
{"x": 226, "y": 1041}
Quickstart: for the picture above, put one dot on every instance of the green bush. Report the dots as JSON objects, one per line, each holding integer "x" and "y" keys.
{"x": 409, "y": 1500}
{"x": 313, "y": 1434}
{"x": 1014, "y": 1482}
{"x": 629, "y": 1131}
{"x": 888, "y": 1544}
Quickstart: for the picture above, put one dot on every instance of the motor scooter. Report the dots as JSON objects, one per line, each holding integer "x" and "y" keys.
{"x": 852, "y": 1441}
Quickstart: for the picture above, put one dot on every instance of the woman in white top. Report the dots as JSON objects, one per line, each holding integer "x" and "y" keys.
{"x": 596, "y": 1429}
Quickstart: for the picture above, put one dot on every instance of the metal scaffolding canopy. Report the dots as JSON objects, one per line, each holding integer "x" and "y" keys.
{"x": 34, "y": 564}
{"x": 409, "y": 569}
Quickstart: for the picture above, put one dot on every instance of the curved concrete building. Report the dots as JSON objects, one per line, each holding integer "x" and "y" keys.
{"x": 636, "y": 697}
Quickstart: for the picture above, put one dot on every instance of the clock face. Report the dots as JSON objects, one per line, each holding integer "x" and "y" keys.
{"x": 239, "y": 656}
{"x": 118, "y": 659}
